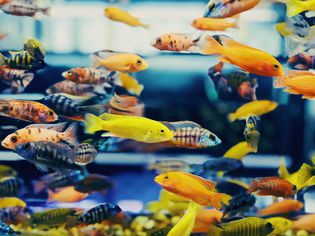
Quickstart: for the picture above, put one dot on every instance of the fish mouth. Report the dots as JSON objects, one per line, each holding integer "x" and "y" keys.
{"x": 64, "y": 75}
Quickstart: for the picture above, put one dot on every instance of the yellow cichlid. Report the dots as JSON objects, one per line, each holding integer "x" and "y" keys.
{"x": 280, "y": 224}
{"x": 186, "y": 224}
{"x": 6, "y": 171}
{"x": 131, "y": 84}
{"x": 116, "y": 14}
{"x": 295, "y": 7}
{"x": 254, "y": 108}
{"x": 239, "y": 151}
{"x": 132, "y": 127}
{"x": 11, "y": 202}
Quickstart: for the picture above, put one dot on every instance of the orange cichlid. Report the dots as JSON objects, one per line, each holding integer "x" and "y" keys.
{"x": 116, "y": 61}
{"x": 272, "y": 186}
{"x": 239, "y": 151}
{"x": 37, "y": 133}
{"x": 228, "y": 8}
{"x": 305, "y": 222}
{"x": 254, "y": 108}
{"x": 248, "y": 58}
{"x": 185, "y": 225}
{"x": 67, "y": 194}
{"x": 295, "y": 7}
{"x": 192, "y": 187}
{"x": 132, "y": 127}
{"x": 116, "y": 14}
{"x": 205, "y": 218}
{"x": 282, "y": 207}
{"x": 214, "y": 24}
{"x": 131, "y": 84}
{"x": 27, "y": 111}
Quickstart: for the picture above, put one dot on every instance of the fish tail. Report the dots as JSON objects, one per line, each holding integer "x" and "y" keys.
{"x": 46, "y": 11}
{"x": 209, "y": 46}
{"x": 93, "y": 123}
{"x": 27, "y": 79}
{"x": 294, "y": 7}
{"x": 2, "y": 59}
{"x": 96, "y": 61}
{"x": 70, "y": 134}
{"x": 232, "y": 117}
{"x": 146, "y": 26}
{"x": 50, "y": 196}
{"x": 38, "y": 186}
{"x": 279, "y": 81}
{"x": 219, "y": 199}
{"x": 139, "y": 89}
{"x": 253, "y": 187}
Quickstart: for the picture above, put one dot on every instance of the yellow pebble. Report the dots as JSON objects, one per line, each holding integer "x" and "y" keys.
{"x": 302, "y": 233}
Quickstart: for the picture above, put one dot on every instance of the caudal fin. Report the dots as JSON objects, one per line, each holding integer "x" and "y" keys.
{"x": 70, "y": 134}
{"x": 219, "y": 199}
{"x": 96, "y": 61}
{"x": 294, "y": 7}
{"x": 209, "y": 46}
{"x": 232, "y": 117}
{"x": 93, "y": 124}
{"x": 146, "y": 26}
{"x": 2, "y": 59}
{"x": 50, "y": 196}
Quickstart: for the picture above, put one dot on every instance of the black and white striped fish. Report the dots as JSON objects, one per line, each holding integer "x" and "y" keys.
{"x": 10, "y": 186}
{"x": 26, "y": 8}
{"x": 21, "y": 60}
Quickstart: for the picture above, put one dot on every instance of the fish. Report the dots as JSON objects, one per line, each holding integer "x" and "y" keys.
{"x": 11, "y": 202}
{"x": 272, "y": 186}
{"x": 87, "y": 75}
{"x": 238, "y": 151}
{"x": 302, "y": 61}
{"x": 248, "y": 58}
{"x": 295, "y": 7}
{"x": 86, "y": 153}
{"x": 185, "y": 225}
{"x": 66, "y": 194}
{"x": 254, "y": 108}
{"x": 131, "y": 84}
{"x": 246, "y": 226}
{"x": 205, "y": 219}
{"x": 94, "y": 183}
{"x": 173, "y": 165}
{"x": 26, "y": 8}
{"x": 53, "y": 217}
{"x": 214, "y": 24}
{"x": 282, "y": 207}
{"x": 137, "y": 128}
{"x": 251, "y": 132}
{"x": 305, "y": 222}
{"x": 239, "y": 204}
{"x": 18, "y": 80}
{"x": 27, "y": 110}
{"x": 188, "y": 134}
{"x": 119, "y": 15}
{"x": 11, "y": 186}
{"x": 98, "y": 213}
{"x": 230, "y": 8}
{"x": 280, "y": 224}
{"x": 118, "y": 61}
{"x": 21, "y": 60}
{"x": 48, "y": 155}
{"x": 216, "y": 165}
{"x": 35, "y": 48}
{"x": 14, "y": 215}
{"x": 6, "y": 230}
{"x": 6, "y": 171}
{"x": 37, "y": 133}
{"x": 192, "y": 187}
{"x": 125, "y": 105}
{"x": 233, "y": 82}
{"x": 231, "y": 187}
{"x": 72, "y": 88}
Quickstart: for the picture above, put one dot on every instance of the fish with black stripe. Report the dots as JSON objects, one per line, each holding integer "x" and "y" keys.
{"x": 98, "y": 213}
{"x": 10, "y": 186}
{"x": 239, "y": 204}
{"x": 21, "y": 60}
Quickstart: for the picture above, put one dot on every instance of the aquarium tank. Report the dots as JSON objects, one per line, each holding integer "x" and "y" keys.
{"x": 158, "y": 118}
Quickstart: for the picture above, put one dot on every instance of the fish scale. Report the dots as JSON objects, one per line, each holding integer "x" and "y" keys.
{"x": 99, "y": 213}
{"x": 10, "y": 187}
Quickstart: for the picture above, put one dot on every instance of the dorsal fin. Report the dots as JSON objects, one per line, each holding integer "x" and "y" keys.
{"x": 207, "y": 183}
{"x": 180, "y": 124}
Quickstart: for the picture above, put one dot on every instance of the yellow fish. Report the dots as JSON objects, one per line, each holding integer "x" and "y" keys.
{"x": 11, "y": 202}
{"x": 214, "y": 24}
{"x": 132, "y": 127}
{"x": 280, "y": 224}
{"x": 118, "y": 61}
{"x": 239, "y": 151}
{"x": 254, "y": 108}
{"x": 295, "y": 7}
{"x": 6, "y": 171}
{"x": 131, "y": 84}
{"x": 116, "y": 14}
{"x": 186, "y": 224}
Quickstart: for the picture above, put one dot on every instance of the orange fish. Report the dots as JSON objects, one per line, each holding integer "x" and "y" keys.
{"x": 272, "y": 186}
{"x": 27, "y": 111}
{"x": 248, "y": 58}
{"x": 125, "y": 105}
{"x": 175, "y": 42}
{"x": 305, "y": 222}
{"x": 193, "y": 188}
{"x": 67, "y": 194}
{"x": 285, "y": 206}
{"x": 213, "y": 24}
{"x": 205, "y": 218}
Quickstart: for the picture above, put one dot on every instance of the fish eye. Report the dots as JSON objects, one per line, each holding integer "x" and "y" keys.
{"x": 26, "y": 146}
{"x": 294, "y": 188}
{"x": 50, "y": 113}
{"x": 166, "y": 177}
{"x": 70, "y": 73}
{"x": 212, "y": 137}
{"x": 276, "y": 66}
{"x": 269, "y": 225}
{"x": 211, "y": 7}
{"x": 158, "y": 41}
{"x": 13, "y": 139}
{"x": 139, "y": 62}
{"x": 162, "y": 130}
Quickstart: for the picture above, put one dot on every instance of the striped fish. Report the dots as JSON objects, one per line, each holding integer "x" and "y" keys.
{"x": 10, "y": 186}
{"x": 239, "y": 204}
{"x": 52, "y": 217}
{"x": 21, "y": 60}
{"x": 86, "y": 153}
{"x": 25, "y": 8}
{"x": 99, "y": 213}
{"x": 6, "y": 230}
